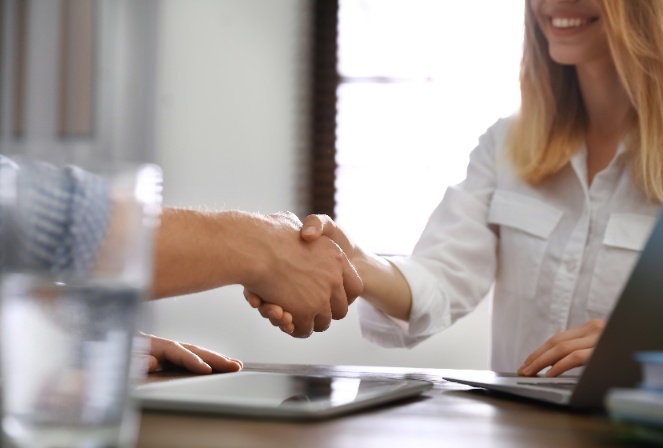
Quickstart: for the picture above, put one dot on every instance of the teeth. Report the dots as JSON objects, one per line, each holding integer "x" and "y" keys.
{"x": 565, "y": 22}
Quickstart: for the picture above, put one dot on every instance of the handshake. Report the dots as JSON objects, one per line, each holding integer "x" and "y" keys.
{"x": 300, "y": 276}
{"x": 303, "y": 277}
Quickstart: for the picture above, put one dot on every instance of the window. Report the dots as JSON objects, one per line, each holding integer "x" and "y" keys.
{"x": 419, "y": 82}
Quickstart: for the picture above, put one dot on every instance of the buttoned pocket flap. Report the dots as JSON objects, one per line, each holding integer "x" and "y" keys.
{"x": 628, "y": 230}
{"x": 524, "y": 213}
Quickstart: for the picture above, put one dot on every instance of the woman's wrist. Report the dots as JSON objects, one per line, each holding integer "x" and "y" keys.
{"x": 384, "y": 285}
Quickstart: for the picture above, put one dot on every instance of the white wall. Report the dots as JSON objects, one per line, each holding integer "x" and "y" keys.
{"x": 229, "y": 107}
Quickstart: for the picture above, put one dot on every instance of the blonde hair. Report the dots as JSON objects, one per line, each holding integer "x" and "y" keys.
{"x": 552, "y": 120}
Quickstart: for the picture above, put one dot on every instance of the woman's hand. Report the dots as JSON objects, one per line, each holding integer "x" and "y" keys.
{"x": 164, "y": 352}
{"x": 316, "y": 226}
{"x": 564, "y": 351}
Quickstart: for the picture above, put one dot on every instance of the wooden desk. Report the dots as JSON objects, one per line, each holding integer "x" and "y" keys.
{"x": 449, "y": 415}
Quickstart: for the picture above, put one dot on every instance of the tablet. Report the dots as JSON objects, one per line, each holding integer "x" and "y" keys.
{"x": 275, "y": 395}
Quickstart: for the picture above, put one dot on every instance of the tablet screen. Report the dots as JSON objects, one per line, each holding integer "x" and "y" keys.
{"x": 263, "y": 394}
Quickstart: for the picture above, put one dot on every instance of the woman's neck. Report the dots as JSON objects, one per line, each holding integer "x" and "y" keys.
{"x": 608, "y": 107}
{"x": 606, "y": 101}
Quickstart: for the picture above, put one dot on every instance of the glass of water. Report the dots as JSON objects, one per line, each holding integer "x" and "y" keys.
{"x": 68, "y": 336}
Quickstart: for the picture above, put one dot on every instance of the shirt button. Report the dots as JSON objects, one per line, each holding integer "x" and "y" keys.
{"x": 571, "y": 265}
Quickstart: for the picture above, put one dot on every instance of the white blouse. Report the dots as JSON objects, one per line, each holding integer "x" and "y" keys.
{"x": 555, "y": 255}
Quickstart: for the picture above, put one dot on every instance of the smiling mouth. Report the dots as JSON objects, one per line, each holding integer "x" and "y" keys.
{"x": 571, "y": 22}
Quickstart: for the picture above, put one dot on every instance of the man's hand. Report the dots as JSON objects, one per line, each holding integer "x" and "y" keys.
{"x": 313, "y": 229}
{"x": 273, "y": 313}
{"x": 564, "y": 351}
{"x": 312, "y": 280}
{"x": 164, "y": 352}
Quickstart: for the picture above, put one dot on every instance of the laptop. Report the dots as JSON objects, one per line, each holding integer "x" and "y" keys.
{"x": 636, "y": 324}
{"x": 276, "y": 395}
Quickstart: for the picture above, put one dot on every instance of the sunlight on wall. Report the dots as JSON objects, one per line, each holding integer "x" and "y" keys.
{"x": 423, "y": 79}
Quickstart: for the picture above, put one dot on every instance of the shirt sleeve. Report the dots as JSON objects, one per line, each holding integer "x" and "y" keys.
{"x": 60, "y": 215}
{"x": 453, "y": 265}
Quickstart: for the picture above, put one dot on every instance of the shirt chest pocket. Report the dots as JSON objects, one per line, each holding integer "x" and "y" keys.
{"x": 625, "y": 236}
{"x": 525, "y": 225}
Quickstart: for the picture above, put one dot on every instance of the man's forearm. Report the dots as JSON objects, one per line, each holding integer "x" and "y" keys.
{"x": 198, "y": 250}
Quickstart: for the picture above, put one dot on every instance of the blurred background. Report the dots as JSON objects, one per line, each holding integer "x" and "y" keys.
{"x": 362, "y": 109}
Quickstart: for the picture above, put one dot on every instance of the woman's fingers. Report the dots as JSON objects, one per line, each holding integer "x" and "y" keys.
{"x": 564, "y": 351}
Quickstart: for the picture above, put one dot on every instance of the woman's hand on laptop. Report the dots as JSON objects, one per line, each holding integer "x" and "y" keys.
{"x": 564, "y": 351}
{"x": 165, "y": 352}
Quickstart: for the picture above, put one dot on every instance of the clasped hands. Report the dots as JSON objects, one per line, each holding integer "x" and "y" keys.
{"x": 313, "y": 279}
